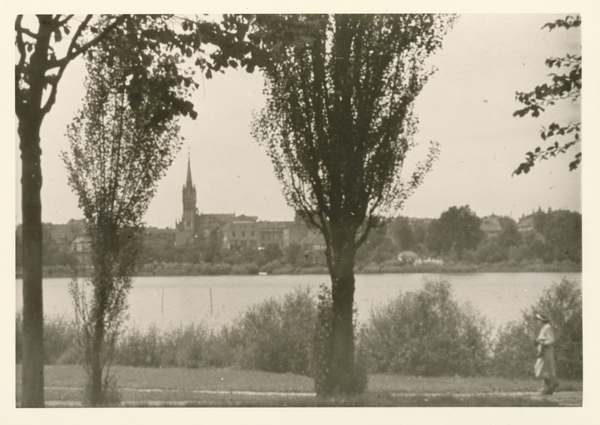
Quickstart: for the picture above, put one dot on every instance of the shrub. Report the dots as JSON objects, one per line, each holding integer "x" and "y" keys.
{"x": 183, "y": 346}
{"x": 313, "y": 270}
{"x": 221, "y": 269}
{"x": 275, "y": 336}
{"x": 270, "y": 266}
{"x": 514, "y": 352}
{"x": 427, "y": 333}
{"x": 370, "y": 268}
{"x": 239, "y": 269}
{"x": 59, "y": 336}
{"x": 391, "y": 269}
{"x": 139, "y": 349}
{"x": 252, "y": 268}
{"x": 195, "y": 270}
{"x": 244, "y": 269}
{"x": 283, "y": 270}
{"x": 217, "y": 349}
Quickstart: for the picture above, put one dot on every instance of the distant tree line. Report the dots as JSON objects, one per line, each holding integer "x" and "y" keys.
{"x": 455, "y": 236}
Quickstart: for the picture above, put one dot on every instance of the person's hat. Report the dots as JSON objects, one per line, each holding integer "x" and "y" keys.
{"x": 542, "y": 317}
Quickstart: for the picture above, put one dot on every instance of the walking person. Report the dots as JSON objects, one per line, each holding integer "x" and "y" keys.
{"x": 545, "y": 365}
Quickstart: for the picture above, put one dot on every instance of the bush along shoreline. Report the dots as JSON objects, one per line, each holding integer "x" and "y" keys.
{"x": 420, "y": 333}
{"x": 224, "y": 269}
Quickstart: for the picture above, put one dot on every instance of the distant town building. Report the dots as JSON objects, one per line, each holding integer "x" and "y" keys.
{"x": 526, "y": 224}
{"x": 81, "y": 247}
{"x": 408, "y": 257}
{"x": 235, "y": 232}
{"x": 193, "y": 226}
{"x": 490, "y": 225}
{"x": 295, "y": 232}
{"x": 156, "y": 237}
{"x": 314, "y": 242}
{"x": 64, "y": 234}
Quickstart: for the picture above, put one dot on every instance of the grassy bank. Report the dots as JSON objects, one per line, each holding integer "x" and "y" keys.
{"x": 223, "y": 387}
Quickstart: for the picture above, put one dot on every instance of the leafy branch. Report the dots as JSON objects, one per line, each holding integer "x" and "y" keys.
{"x": 562, "y": 87}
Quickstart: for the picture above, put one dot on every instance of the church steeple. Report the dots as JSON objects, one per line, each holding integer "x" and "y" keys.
{"x": 189, "y": 201}
{"x": 188, "y": 181}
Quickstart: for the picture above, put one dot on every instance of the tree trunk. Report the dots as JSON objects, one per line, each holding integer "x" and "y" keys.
{"x": 33, "y": 313}
{"x": 102, "y": 279}
{"x": 30, "y": 114}
{"x": 342, "y": 377}
{"x": 96, "y": 390}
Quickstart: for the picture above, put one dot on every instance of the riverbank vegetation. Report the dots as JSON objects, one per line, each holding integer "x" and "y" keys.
{"x": 278, "y": 268}
{"x": 425, "y": 333}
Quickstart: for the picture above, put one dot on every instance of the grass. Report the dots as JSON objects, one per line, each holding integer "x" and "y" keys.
{"x": 142, "y": 387}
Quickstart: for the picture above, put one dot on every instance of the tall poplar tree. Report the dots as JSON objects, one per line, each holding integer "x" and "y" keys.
{"x": 117, "y": 157}
{"x": 338, "y": 125}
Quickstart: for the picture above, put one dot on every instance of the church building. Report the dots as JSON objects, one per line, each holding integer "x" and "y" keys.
{"x": 193, "y": 226}
{"x": 235, "y": 232}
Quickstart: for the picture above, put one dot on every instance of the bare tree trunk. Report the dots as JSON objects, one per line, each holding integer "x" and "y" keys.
{"x": 342, "y": 367}
{"x": 103, "y": 282}
{"x": 96, "y": 390}
{"x": 32, "y": 391}
{"x": 30, "y": 115}
{"x": 342, "y": 377}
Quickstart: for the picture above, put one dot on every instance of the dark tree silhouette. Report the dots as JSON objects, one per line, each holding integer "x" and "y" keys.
{"x": 338, "y": 125}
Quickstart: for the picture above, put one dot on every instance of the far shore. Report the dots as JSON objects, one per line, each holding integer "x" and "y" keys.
{"x": 186, "y": 269}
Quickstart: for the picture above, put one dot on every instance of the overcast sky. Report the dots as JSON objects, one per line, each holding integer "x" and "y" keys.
{"x": 467, "y": 107}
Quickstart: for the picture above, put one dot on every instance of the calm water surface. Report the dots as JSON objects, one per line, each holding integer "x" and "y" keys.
{"x": 214, "y": 300}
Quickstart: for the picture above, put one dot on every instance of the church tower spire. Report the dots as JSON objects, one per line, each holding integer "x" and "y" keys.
{"x": 189, "y": 201}
{"x": 188, "y": 181}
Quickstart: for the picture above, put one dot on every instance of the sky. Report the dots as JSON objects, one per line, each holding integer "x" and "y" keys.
{"x": 466, "y": 107}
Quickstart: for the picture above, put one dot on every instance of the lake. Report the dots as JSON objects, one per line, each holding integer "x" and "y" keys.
{"x": 215, "y": 300}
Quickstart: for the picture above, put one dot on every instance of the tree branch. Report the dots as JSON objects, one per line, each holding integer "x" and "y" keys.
{"x": 73, "y": 53}
{"x": 28, "y": 31}
{"x": 20, "y": 66}
{"x": 64, "y": 21}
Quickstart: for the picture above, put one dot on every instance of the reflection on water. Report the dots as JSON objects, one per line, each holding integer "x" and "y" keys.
{"x": 214, "y": 300}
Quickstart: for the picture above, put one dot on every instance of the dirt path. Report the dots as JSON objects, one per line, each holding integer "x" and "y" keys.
{"x": 563, "y": 398}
